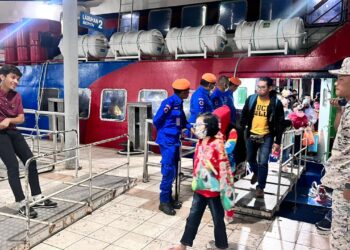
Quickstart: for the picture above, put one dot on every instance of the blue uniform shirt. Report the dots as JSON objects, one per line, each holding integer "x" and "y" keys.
{"x": 200, "y": 103}
{"x": 229, "y": 101}
{"x": 217, "y": 98}
{"x": 169, "y": 120}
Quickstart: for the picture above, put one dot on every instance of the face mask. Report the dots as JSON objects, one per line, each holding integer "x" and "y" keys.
{"x": 200, "y": 132}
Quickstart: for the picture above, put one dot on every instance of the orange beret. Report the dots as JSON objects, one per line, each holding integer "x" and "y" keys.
{"x": 209, "y": 77}
{"x": 181, "y": 84}
{"x": 235, "y": 80}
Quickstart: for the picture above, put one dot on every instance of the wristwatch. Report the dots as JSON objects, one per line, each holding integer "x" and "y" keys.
{"x": 347, "y": 185}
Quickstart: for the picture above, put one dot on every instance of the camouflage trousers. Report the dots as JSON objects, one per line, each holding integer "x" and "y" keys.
{"x": 340, "y": 237}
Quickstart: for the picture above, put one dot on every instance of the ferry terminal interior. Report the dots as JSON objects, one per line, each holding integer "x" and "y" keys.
{"x": 106, "y": 183}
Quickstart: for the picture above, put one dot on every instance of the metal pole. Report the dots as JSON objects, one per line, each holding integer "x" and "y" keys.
{"x": 128, "y": 162}
{"x": 71, "y": 80}
{"x": 37, "y": 130}
{"x": 145, "y": 154}
{"x": 90, "y": 176}
{"x": 280, "y": 173}
{"x": 26, "y": 181}
{"x": 77, "y": 155}
{"x": 292, "y": 167}
{"x": 54, "y": 138}
{"x": 300, "y": 149}
{"x": 305, "y": 152}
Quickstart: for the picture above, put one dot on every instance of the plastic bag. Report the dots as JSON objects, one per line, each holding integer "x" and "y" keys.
{"x": 309, "y": 136}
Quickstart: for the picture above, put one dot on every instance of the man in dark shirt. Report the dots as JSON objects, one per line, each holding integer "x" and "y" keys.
{"x": 13, "y": 142}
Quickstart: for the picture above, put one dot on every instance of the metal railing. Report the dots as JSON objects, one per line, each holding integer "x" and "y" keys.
{"x": 71, "y": 185}
{"x": 189, "y": 150}
{"x": 36, "y": 135}
{"x": 37, "y": 114}
{"x": 293, "y": 157}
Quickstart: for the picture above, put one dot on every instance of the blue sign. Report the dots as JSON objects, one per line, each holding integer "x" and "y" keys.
{"x": 91, "y": 22}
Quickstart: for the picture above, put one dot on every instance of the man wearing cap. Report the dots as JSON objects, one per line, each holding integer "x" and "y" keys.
{"x": 233, "y": 84}
{"x": 170, "y": 122}
{"x": 337, "y": 167}
{"x": 218, "y": 95}
{"x": 200, "y": 102}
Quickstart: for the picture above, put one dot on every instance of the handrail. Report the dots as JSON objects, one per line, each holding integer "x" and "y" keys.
{"x": 153, "y": 143}
{"x": 28, "y": 162}
{"x": 42, "y": 112}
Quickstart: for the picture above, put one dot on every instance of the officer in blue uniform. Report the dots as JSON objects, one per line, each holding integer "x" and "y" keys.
{"x": 200, "y": 102}
{"x": 233, "y": 84}
{"x": 218, "y": 96}
{"x": 171, "y": 122}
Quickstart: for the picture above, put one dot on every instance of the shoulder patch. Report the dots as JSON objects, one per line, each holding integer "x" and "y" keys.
{"x": 201, "y": 101}
{"x": 167, "y": 108}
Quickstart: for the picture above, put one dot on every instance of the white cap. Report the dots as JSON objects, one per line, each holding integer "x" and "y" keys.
{"x": 344, "y": 70}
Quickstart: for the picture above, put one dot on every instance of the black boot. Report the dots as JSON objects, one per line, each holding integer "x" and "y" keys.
{"x": 176, "y": 204}
{"x": 167, "y": 208}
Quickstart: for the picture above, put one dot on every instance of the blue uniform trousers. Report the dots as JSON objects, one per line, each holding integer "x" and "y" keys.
{"x": 170, "y": 158}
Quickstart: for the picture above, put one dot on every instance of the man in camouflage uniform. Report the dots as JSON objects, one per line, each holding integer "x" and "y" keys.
{"x": 337, "y": 174}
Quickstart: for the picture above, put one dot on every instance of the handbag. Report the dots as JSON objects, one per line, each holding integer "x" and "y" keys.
{"x": 308, "y": 137}
{"x": 313, "y": 148}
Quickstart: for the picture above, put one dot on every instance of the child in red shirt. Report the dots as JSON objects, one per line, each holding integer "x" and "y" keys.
{"x": 212, "y": 182}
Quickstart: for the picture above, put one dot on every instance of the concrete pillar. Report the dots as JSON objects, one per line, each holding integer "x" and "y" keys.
{"x": 70, "y": 66}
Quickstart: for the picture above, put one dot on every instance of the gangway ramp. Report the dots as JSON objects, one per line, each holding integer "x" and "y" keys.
{"x": 278, "y": 184}
{"x": 104, "y": 188}
{"x": 246, "y": 203}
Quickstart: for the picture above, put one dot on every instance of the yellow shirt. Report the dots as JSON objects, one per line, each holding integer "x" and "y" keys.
{"x": 260, "y": 124}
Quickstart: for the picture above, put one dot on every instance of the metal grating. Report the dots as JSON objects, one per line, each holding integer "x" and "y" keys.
{"x": 12, "y": 230}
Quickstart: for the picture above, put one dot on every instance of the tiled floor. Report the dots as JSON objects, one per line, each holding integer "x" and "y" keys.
{"x": 133, "y": 221}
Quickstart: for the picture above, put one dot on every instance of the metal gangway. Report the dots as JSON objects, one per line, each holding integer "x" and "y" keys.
{"x": 75, "y": 199}
{"x": 278, "y": 185}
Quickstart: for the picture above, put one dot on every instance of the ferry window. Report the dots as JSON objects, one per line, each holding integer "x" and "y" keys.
{"x": 272, "y": 9}
{"x": 186, "y": 105}
{"x": 154, "y": 96}
{"x": 84, "y": 103}
{"x": 193, "y": 16}
{"x": 44, "y": 95}
{"x": 160, "y": 20}
{"x": 324, "y": 11}
{"x": 113, "y": 104}
{"x": 231, "y": 13}
{"x": 129, "y": 22}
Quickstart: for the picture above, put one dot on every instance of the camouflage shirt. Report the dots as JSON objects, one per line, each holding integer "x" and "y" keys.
{"x": 338, "y": 165}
